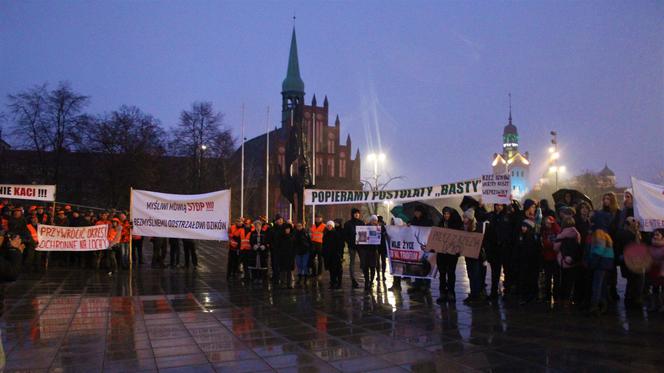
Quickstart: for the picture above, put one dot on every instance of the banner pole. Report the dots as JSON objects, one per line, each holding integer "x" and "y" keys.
{"x": 131, "y": 237}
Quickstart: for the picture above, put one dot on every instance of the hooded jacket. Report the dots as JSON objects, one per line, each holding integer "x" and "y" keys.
{"x": 566, "y": 242}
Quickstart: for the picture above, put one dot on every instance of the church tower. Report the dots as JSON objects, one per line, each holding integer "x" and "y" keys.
{"x": 512, "y": 162}
{"x": 292, "y": 88}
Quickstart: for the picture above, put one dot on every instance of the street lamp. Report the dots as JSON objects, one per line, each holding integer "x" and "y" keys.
{"x": 201, "y": 149}
{"x": 554, "y": 156}
{"x": 375, "y": 158}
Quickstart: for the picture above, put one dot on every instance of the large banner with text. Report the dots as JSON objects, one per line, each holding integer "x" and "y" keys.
{"x": 32, "y": 192}
{"x": 408, "y": 253}
{"x": 338, "y": 197}
{"x": 648, "y": 204}
{"x": 195, "y": 216}
{"x": 54, "y": 238}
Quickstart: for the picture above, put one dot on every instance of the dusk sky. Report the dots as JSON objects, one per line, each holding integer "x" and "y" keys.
{"x": 427, "y": 82}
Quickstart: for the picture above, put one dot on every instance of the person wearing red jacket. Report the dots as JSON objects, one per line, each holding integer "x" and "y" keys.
{"x": 550, "y": 259}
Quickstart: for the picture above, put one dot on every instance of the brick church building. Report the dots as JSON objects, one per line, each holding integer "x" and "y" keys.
{"x": 331, "y": 167}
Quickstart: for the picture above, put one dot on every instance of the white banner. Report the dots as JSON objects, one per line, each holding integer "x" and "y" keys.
{"x": 367, "y": 234}
{"x": 31, "y": 192}
{"x": 648, "y": 204}
{"x": 496, "y": 189}
{"x": 338, "y": 197}
{"x": 53, "y": 238}
{"x": 195, "y": 216}
{"x": 408, "y": 253}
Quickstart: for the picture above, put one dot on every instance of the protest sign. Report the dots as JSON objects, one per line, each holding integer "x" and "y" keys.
{"x": 337, "y": 197}
{"x": 54, "y": 238}
{"x": 367, "y": 234}
{"x": 496, "y": 189}
{"x": 31, "y": 192}
{"x": 648, "y": 204}
{"x": 408, "y": 253}
{"x": 456, "y": 242}
{"x": 195, "y": 216}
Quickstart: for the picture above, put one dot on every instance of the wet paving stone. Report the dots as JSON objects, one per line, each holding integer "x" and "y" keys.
{"x": 174, "y": 320}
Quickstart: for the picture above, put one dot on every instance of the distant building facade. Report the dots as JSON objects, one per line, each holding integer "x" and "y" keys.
{"x": 330, "y": 166}
{"x": 511, "y": 161}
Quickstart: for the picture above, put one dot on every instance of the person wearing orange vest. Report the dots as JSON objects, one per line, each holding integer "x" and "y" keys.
{"x": 316, "y": 257}
{"x": 32, "y": 260}
{"x": 233, "y": 250}
{"x": 114, "y": 236}
{"x": 245, "y": 248}
{"x": 124, "y": 240}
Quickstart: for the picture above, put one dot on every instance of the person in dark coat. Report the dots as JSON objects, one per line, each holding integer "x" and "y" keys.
{"x": 274, "y": 235}
{"x": 529, "y": 254}
{"x": 382, "y": 250}
{"x": 259, "y": 245}
{"x": 159, "y": 252}
{"x": 189, "y": 247}
{"x": 333, "y": 252}
{"x": 583, "y": 284}
{"x": 368, "y": 257}
{"x": 11, "y": 256}
{"x": 349, "y": 236}
{"x": 174, "y": 245}
{"x": 475, "y": 266}
{"x": 302, "y": 247}
{"x": 420, "y": 219}
{"x": 447, "y": 263}
{"x": 285, "y": 255}
{"x": 499, "y": 239}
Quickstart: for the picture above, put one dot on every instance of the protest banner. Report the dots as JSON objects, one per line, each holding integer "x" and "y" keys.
{"x": 455, "y": 242}
{"x": 367, "y": 234}
{"x": 496, "y": 189}
{"x": 337, "y": 197}
{"x": 32, "y": 192}
{"x": 648, "y": 204}
{"x": 195, "y": 216}
{"x": 54, "y": 238}
{"x": 408, "y": 253}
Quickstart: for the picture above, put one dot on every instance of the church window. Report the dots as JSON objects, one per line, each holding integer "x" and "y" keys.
{"x": 319, "y": 167}
{"x": 281, "y": 160}
{"x": 330, "y": 167}
{"x": 330, "y": 144}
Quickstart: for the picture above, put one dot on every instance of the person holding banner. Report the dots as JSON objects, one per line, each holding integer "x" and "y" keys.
{"x": 447, "y": 263}
{"x": 233, "y": 263}
{"x": 368, "y": 258}
{"x": 349, "y": 235}
{"x": 420, "y": 219}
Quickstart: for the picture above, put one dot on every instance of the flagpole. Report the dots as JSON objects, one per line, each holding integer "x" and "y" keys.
{"x": 242, "y": 170}
{"x": 313, "y": 163}
{"x": 267, "y": 163}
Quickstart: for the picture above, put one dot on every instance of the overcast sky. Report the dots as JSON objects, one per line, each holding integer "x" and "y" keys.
{"x": 424, "y": 82}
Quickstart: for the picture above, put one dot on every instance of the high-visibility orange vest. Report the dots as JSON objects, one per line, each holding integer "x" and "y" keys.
{"x": 317, "y": 233}
{"x": 245, "y": 243}
{"x": 233, "y": 237}
{"x": 33, "y": 232}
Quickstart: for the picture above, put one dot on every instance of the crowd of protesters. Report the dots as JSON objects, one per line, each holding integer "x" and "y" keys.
{"x": 570, "y": 254}
{"x": 18, "y": 230}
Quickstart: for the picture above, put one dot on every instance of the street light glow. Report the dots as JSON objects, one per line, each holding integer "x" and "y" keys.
{"x": 371, "y": 157}
{"x": 553, "y": 169}
{"x": 203, "y": 147}
{"x": 562, "y": 169}
{"x": 551, "y": 149}
{"x": 381, "y": 157}
{"x": 555, "y": 155}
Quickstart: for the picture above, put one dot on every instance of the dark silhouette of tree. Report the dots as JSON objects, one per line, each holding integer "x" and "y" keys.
{"x": 202, "y": 137}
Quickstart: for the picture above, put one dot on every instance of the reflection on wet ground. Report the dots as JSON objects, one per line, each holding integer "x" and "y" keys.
{"x": 174, "y": 320}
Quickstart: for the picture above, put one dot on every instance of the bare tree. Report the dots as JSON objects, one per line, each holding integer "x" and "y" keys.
{"x": 200, "y": 136}
{"x": 47, "y": 121}
{"x": 28, "y": 109}
{"x": 378, "y": 183}
{"x": 131, "y": 142}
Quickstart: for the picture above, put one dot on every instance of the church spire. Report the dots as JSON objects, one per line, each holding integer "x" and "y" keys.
{"x": 293, "y": 81}
{"x": 510, "y": 97}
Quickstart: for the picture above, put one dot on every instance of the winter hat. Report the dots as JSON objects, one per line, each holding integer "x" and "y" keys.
{"x": 528, "y": 204}
{"x": 373, "y": 218}
{"x": 469, "y": 214}
{"x": 330, "y": 222}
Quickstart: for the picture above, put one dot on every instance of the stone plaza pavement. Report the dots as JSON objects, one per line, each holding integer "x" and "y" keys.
{"x": 174, "y": 320}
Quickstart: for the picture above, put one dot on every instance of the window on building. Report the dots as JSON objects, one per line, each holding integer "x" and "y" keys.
{"x": 342, "y": 165}
{"x": 330, "y": 167}
{"x": 330, "y": 144}
{"x": 319, "y": 166}
{"x": 319, "y": 134}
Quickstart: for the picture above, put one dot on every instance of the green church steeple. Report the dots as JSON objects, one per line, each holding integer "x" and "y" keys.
{"x": 293, "y": 82}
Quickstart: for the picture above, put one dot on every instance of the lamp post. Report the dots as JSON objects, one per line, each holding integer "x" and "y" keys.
{"x": 554, "y": 155}
{"x": 376, "y": 158}
{"x": 201, "y": 149}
